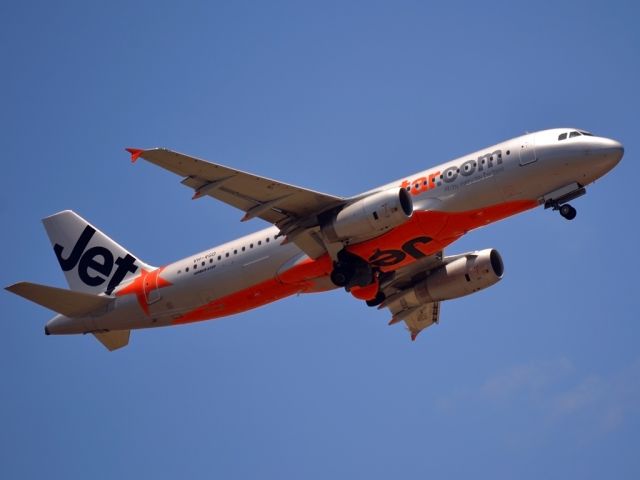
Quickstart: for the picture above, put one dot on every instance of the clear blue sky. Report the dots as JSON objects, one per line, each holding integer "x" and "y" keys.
{"x": 535, "y": 377}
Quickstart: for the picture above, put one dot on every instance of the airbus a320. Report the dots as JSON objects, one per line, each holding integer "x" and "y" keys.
{"x": 385, "y": 246}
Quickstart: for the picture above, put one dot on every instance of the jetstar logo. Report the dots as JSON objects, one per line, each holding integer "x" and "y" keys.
{"x": 449, "y": 175}
{"x": 95, "y": 264}
{"x": 388, "y": 258}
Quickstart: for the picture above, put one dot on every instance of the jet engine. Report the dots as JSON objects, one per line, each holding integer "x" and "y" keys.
{"x": 464, "y": 274}
{"x": 370, "y": 216}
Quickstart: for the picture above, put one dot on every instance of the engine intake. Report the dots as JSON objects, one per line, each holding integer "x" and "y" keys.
{"x": 370, "y": 216}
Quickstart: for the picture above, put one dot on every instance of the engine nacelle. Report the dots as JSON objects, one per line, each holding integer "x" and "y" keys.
{"x": 370, "y": 216}
{"x": 468, "y": 273}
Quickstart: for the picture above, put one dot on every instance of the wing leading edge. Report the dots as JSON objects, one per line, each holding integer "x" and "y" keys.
{"x": 273, "y": 201}
{"x": 292, "y": 209}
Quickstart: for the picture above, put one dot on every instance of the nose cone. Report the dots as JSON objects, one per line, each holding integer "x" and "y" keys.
{"x": 611, "y": 148}
{"x": 606, "y": 154}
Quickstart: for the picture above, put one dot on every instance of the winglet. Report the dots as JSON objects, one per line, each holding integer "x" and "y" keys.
{"x": 135, "y": 153}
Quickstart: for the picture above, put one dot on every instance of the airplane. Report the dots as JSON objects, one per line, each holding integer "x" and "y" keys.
{"x": 384, "y": 246}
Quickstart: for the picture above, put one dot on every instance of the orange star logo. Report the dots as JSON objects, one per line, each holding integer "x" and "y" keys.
{"x": 142, "y": 286}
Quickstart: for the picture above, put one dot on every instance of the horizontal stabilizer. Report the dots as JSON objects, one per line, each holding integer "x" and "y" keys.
{"x": 114, "y": 340}
{"x": 66, "y": 302}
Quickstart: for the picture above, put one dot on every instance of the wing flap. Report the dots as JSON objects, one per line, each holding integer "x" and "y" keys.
{"x": 422, "y": 317}
{"x": 405, "y": 306}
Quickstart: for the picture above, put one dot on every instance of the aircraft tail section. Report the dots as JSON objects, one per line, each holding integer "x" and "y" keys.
{"x": 73, "y": 305}
{"x": 92, "y": 262}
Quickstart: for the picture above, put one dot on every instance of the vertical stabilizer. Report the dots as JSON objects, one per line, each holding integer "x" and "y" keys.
{"x": 91, "y": 261}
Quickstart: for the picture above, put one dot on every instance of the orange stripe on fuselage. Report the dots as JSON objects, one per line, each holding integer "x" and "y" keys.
{"x": 442, "y": 228}
{"x": 250, "y": 298}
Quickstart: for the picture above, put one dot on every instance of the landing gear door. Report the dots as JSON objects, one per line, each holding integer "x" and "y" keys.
{"x": 527, "y": 150}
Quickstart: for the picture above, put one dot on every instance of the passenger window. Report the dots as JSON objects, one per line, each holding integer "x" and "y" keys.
{"x": 574, "y": 134}
{"x": 562, "y": 136}
{"x": 186, "y": 269}
{"x": 243, "y": 249}
{"x": 203, "y": 264}
{"x": 227, "y": 255}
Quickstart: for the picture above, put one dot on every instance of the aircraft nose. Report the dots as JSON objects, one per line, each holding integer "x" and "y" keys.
{"x": 609, "y": 152}
{"x": 611, "y": 148}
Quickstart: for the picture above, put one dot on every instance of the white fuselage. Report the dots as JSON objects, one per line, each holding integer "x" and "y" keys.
{"x": 461, "y": 194}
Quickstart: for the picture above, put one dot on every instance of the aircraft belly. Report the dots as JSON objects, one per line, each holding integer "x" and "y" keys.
{"x": 247, "y": 272}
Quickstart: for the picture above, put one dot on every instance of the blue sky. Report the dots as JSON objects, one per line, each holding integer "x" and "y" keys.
{"x": 536, "y": 376}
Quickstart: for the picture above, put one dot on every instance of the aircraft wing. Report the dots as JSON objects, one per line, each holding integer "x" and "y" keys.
{"x": 275, "y": 202}
{"x": 404, "y": 308}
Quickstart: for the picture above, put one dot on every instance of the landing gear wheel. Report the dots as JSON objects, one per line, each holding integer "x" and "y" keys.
{"x": 568, "y": 212}
{"x": 341, "y": 275}
{"x": 380, "y": 297}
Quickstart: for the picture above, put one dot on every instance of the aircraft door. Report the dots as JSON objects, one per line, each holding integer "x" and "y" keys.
{"x": 527, "y": 150}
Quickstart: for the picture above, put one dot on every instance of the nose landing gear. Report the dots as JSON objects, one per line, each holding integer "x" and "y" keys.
{"x": 557, "y": 200}
{"x": 567, "y": 211}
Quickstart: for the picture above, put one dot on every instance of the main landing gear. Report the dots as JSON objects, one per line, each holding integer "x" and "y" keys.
{"x": 358, "y": 277}
{"x": 351, "y": 271}
{"x": 379, "y": 298}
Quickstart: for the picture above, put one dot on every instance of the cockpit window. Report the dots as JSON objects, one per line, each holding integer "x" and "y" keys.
{"x": 575, "y": 133}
